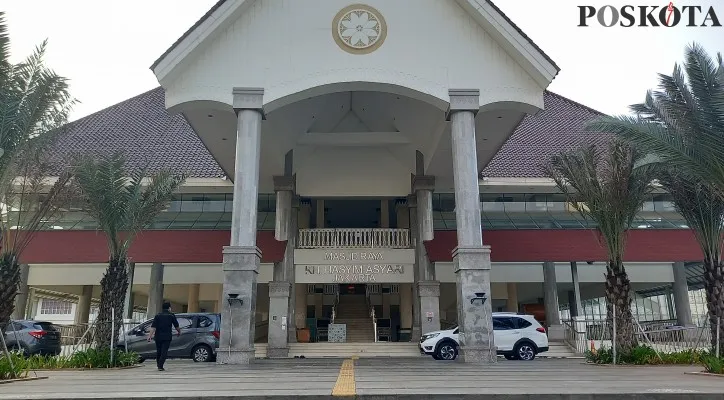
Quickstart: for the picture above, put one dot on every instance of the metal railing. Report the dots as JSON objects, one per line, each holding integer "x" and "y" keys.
{"x": 374, "y": 322}
{"x": 354, "y": 238}
{"x": 582, "y": 335}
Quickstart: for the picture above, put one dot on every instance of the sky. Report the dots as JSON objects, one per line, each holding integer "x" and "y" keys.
{"x": 106, "y": 48}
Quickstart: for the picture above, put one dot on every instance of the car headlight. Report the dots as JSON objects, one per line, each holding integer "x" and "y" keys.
{"x": 429, "y": 336}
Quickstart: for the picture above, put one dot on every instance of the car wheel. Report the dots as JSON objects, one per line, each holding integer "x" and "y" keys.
{"x": 525, "y": 351}
{"x": 435, "y": 357}
{"x": 447, "y": 351}
{"x": 510, "y": 357}
{"x": 201, "y": 353}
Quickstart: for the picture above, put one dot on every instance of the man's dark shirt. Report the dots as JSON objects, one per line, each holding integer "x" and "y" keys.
{"x": 163, "y": 323}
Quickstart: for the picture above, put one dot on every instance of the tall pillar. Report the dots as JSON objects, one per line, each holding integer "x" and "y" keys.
{"x": 421, "y": 311}
{"x": 278, "y": 319}
{"x": 429, "y": 292}
{"x": 385, "y": 213}
{"x": 193, "y": 299}
{"x": 286, "y": 226}
{"x": 82, "y": 310}
{"x": 550, "y": 298}
{"x": 470, "y": 257}
{"x": 21, "y": 298}
{"x": 681, "y": 295}
{"x": 155, "y": 290}
{"x": 320, "y": 214}
{"x": 406, "y": 308}
{"x": 511, "y": 304}
{"x": 242, "y": 257}
{"x": 128, "y": 301}
{"x": 576, "y": 291}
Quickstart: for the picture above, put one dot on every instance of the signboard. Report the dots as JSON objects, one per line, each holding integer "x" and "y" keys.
{"x": 354, "y": 265}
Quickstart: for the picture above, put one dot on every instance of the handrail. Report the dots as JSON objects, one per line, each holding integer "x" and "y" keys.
{"x": 374, "y": 322}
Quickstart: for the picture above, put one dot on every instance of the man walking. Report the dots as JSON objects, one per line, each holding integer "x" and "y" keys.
{"x": 161, "y": 333}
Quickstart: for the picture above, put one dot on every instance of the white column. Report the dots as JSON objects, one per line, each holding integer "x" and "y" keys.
{"x": 278, "y": 320}
{"x": 82, "y": 310}
{"x": 576, "y": 289}
{"x": 423, "y": 186}
{"x": 128, "y": 301}
{"x": 284, "y": 188}
{"x": 241, "y": 259}
{"x": 155, "y": 290}
{"x": 681, "y": 295}
{"x": 511, "y": 304}
{"x": 550, "y": 299}
{"x": 471, "y": 258}
{"x": 193, "y": 298}
{"x": 21, "y": 298}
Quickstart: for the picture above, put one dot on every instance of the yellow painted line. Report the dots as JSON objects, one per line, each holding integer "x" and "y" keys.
{"x": 345, "y": 385}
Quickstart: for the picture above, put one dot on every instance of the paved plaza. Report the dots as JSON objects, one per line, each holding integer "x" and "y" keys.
{"x": 374, "y": 379}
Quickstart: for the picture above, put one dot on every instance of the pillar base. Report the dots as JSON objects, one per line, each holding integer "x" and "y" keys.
{"x": 278, "y": 352}
{"x": 556, "y": 332}
{"x": 241, "y": 267}
{"x": 475, "y": 317}
{"x": 478, "y": 355}
{"x": 429, "y": 292}
{"x": 235, "y": 356}
{"x": 416, "y": 334}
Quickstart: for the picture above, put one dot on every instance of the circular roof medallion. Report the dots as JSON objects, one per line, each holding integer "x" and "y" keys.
{"x": 359, "y": 29}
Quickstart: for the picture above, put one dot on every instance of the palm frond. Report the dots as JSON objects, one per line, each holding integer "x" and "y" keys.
{"x": 123, "y": 203}
{"x": 609, "y": 188}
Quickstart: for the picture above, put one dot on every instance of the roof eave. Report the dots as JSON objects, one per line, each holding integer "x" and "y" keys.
{"x": 536, "y": 63}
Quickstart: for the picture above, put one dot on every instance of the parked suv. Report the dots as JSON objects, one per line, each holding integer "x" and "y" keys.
{"x": 199, "y": 338}
{"x": 517, "y": 337}
{"x": 33, "y": 337}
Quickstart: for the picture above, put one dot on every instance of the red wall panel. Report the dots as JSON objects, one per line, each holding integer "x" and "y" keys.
{"x": 573, "y": 245}
{"x": 507, "y": 246}
{"x": 150, "y": 246}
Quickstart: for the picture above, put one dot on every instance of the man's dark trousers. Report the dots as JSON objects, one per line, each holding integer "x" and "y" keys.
{"x": 162, "y": 351}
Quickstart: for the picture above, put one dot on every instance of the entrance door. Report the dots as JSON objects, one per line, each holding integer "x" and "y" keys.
{"x": 352, "y": 289}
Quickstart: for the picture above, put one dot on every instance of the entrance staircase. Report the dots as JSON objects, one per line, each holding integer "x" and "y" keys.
{"x": 352, "y": 310}
{"x": 346, "y": 350}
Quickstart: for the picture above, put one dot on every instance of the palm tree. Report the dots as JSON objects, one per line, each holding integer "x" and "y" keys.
{"x": 688, "y": 111}
{"x": 123, "y": 203}
{"x": 703, "y": 208}
{"x": 609, "y": 188}
{"x": 34, "y": 101}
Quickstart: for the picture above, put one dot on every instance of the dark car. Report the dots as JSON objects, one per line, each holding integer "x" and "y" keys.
{"x": 199, "y": 338}
{"x": 33, "y": 337}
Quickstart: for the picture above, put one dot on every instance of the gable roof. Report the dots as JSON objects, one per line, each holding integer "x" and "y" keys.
{"x": 209, "y": 14}
{"x": 150, "y": 137}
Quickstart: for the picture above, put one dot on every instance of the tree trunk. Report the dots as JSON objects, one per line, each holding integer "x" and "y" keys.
{"x": 9, "y": 281}
{"x": 113, "y": 291}
{"x": 618, "y": 292}
{"x": 714, "y": 286}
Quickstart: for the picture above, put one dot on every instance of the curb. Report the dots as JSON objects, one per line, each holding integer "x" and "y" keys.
{"x": 703, "y": 373}
{"x": 30, "y": 378}
{"x": 87, "y": 369}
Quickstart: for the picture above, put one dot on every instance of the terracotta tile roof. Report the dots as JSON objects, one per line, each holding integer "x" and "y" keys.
{"x": 560, "y": 127}
{"x": 146, "y": 133}
{"x": 149, "y": 135}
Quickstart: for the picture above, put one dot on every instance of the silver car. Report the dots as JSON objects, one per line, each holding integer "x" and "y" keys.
{"x": 199, "y": 338}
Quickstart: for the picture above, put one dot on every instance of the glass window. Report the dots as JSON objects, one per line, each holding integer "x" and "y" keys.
{"x": 192, "y": 202}
{"x": 520, "y": 323}
{"x": 214, "y": 203}
{"x": 184, "y": 322}
{"x": 205, "y": 322}
{"x": 502, "y": 324}
{"x": 55, "y": 307}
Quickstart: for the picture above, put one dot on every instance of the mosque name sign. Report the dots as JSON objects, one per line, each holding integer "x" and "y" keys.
{"x": 354, "y": 266}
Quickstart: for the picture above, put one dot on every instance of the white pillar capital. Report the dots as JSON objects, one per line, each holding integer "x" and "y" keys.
{"x": 463, "y": 100}
{"x": 248, "y": 99}
{"x": 284, "y": 183}
{"x": 423, "y": 182}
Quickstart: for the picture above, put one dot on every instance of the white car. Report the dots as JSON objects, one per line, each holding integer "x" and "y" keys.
{"x": 517, "y": 337}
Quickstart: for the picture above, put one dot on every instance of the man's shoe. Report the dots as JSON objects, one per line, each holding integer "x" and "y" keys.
{"x": 161, "y": 369}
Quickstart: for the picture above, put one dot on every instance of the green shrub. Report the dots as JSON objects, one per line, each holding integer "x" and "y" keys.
{"x": 91, "y": 358}
{"x": 645, "y": 355}
{"x": 12, "y": 367}
{"x": 713, "y": 364}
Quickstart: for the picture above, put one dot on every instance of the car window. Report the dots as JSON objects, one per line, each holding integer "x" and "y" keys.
{"x": 16, "y": 326}
{"x": 502, "y": 324}
{"x": 522, "y": 323}
{"x": 46, "y": 326}
{"x": 145, "y": 328}
{"x": 455, "y": 332}
{"x": 205, "y": 322}
{"x": 184, "y": 322}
